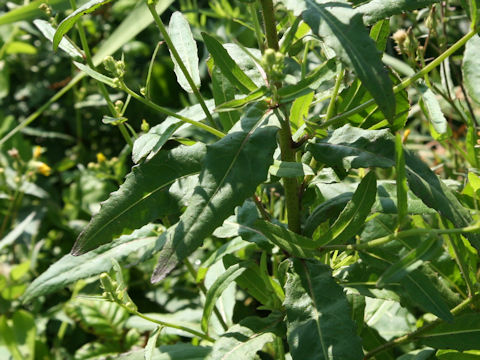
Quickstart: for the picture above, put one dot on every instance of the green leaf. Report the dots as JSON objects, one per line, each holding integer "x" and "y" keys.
{"x": 379, "y": 33}
{"x": 70, "y": 20}
{"x": 455, "y": 355}
{"x": 95, "y": 74}
{"x": 147, "y": 194}
{"x": 223, "y": 91}
{"x": 407, "y": 263}
{"x": 178, "y": 351}
{"x": 18, "y": 230}
{"x": 341, "y": 27}
{"x": 353, "y": 216}
{"x": 18, "y": 334}
{"x": 351, "y": 147}
{"x": 236, "y": 104}
{"x": 471, "y": 68}
{"x": 461, "y": 334}
{"x": 151, "y": 344}
{"x": 287, "y": 240}
{"x": 182, "y": 38}
{"x": 232, "y": 170}
{"x": 228, "y": 66}
{"x": 433, "y": 112}
{"x": 376, "y": 10}
{"x": 216, "y": 290}
{"x": 65, "y": 44}
{"x": 401, "y": 180}
{"x": 4, "y": 79}
{"x": 70, "y": 268}
{"x": 300, "y": 108}
{"x": 318, "y": 315}
{"x": 290, "y": 169}
{"x": 244, "y": 340}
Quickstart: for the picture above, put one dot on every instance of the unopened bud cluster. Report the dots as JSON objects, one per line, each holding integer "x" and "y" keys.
{"x": 273, "y": 63}
{"x": 116, "y": 68}
{"x": 115, "y": 292}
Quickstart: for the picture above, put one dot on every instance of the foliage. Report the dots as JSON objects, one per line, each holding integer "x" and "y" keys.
{"x": 254, "y": 180}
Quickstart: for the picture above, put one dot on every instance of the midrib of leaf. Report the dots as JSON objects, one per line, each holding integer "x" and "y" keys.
{"x": 317, "y": 316}
{"x": 251, "y": 337}
{"x": 161, "y": 187}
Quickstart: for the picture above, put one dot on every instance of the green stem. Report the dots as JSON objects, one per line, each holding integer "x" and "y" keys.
{"x": 415, "y": 334}
{"x": 269, "y": 23}
{"x": 165, "y": 111}
{"x": 399, "y": 235}
{"x": 101, "y": 86}
{"x": 331, "y": 105}
{"x": 178, "y": 59}
{"x": 405, "y": 83}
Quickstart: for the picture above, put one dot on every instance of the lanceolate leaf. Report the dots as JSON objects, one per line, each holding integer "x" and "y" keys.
{"x": 336, "y": 23}
{"x": 471, "y": 68}
{"x": 48, "y": 31}
{"x": 376, "y": 10}
{"x": 70, "y": 268}
{"x": 433, "y": 111}
{"x": 228, "y": 66}
{"x": 318, "y": 316}
{"x": 182, "y": 38}
{"x": 351, "y": 147}
{"x": 95, "y": 74}
{"x": 233, "y": 168}
{"x": 29, "y": 11}
{"x": 70, "y": 20}
{"x": 143, "y": 197}
{"x": 244, "y": 340}
{"x": 461, "y": 334}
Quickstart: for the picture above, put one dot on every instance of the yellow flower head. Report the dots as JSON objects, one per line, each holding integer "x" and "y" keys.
{"x": 44, "y": 169}
{"x": 101, "y": 158}
{"x": 37, "y": 151}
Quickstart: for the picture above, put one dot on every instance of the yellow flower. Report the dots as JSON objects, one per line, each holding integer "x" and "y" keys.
{"x": 101, "y": 158}
{"x": 44, "y": 169}
{"x": 37, "y": 151}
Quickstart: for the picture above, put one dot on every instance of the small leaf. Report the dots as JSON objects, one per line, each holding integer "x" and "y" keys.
{"x": 290, "y": 169}
{"x": 318, "y": 315}
{"x": 342, "y": 28}
{"x": 48, "y": 31}
{"x": 182, "y": 38}
{"x": 4, "y": 79}
{"x": 95, "y": 74}
{"x": 300, "y": 108}
{"x": 228, "y": 66}
{"x": 471, "y": 68}
{"x": 232, "y": 170}
{"x": 70, "y": 20}
{"x": 401, "y": 181}
{"x": 152, "y": 343}
{"x": 143, "y": 197}
{"x": 216, "y": 290}
{"x": 236, "y": 104}
{"x": 461, "y": 334}
{"x": 433, "y": 112}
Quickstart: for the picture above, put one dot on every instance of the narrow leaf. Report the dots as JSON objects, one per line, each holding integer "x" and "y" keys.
{"x": 143, "y": 197}
{"x": 318, "y": 315}
{"x": 224, "y": 91}
{"x": 241, "y": 102}
{"x": 401, "y": 181}
{"x": 461, "y": 334}
{"x": 29, "y": 11}
{"x": 151, "y": 343}
{"x": 181, "y": 35}
{"x": 233, "y": 168}
{"x": 290, "y": 169}
{"x": 48, "y": 31}
{"x": 433, "y": 111}
{"x": 95, "y": 74}
{"x": 342, "y": 28}
{"x": 70, "y": 20}
{"x": 228, "y": 66}
{"x": 216, "y": 290}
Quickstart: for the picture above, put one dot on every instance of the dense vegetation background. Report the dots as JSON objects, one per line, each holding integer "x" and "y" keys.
{"x": 66, "y": 143}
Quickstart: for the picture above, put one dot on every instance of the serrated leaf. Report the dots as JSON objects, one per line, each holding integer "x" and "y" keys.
{"x": 287, "y": 240}
{"x": 318, "y": 316}
{"x": 70, "y": 268}
{"x": 342, "y": 29}
{"x": 352, "y": 147}
{"x": 471, "y": 68}
{"x": 376, "y": 10}
{"x": 290, "y": 169}
{"x": 461, "y": 334}
{"x": 95, "y": 74}
{"x": 216, "y": 290}
{"x": 233, "y": 168}
{"x": 70, "y": 20}
{"x": 244, "y": 340}
{"x": 143, "y": 197}
{"x": 228, "y": 66}
{"x": 182, "y": 38}
{"x": 48, "y": 31}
